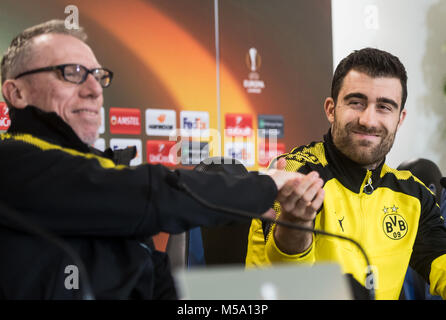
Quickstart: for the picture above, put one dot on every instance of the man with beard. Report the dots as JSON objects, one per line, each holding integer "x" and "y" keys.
{"x": 389, "y": 212}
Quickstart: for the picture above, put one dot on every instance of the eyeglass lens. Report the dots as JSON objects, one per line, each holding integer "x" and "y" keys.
{"x": 78, "y": 74}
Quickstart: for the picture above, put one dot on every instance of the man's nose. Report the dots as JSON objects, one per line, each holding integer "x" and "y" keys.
{"x": 368, "y": 117}
{"x": 91, "y": 88}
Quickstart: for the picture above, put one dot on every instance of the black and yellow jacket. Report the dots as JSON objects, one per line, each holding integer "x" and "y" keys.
{"x": 389, "y": 212}
{"x": 101, "y": 209}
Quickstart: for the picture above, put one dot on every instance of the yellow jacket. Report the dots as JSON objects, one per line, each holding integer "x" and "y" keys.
{"x": 389, "y": 212}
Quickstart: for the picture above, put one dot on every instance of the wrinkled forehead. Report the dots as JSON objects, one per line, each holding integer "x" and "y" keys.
{"x": 54, "y": 49}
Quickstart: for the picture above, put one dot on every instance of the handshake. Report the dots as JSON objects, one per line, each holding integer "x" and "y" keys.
{"x": 300, "y": 197}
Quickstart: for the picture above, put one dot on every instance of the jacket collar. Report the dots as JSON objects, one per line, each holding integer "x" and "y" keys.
{"x": 45, "y": 125}
{"x": 350, "y": 173}
{"x": 50, "y": 127}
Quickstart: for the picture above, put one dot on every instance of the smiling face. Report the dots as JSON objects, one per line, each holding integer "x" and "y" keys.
{"x": 366, "y": 117}
{"x": 77, "y": 104}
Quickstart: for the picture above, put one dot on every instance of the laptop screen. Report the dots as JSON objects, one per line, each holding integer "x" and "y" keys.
{"x": 281, "y": 282}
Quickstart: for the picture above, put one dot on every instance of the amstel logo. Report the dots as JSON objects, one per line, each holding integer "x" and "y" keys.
{"x": 125, "y": 121}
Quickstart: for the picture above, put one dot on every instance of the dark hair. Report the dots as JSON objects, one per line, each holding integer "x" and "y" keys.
{"x": 373, "y": 62}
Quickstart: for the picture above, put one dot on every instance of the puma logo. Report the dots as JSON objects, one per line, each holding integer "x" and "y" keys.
{"x": 340, "y": 223}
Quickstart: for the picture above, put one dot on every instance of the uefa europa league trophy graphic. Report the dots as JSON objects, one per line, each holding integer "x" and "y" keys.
{"x": 253, "y": 62}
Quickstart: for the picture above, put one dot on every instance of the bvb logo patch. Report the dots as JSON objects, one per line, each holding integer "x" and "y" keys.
{"x": 394, "y": 226}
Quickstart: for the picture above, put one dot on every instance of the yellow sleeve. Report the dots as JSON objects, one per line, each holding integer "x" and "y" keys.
{"x": 437, "y": 277}
{"x": 260, "y": 253}
{"x": 263, "y": 254}
{"x": 255, "y": 255}
{"x": 274, "y": 255}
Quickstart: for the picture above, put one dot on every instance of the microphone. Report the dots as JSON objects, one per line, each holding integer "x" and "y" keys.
{"x": 174, "y": 181}
{"x": 22, "y": 225}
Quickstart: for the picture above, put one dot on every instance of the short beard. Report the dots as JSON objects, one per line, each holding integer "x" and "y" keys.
{"x": 372, "y": 156}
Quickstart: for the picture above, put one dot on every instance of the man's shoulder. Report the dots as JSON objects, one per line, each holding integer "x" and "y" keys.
{"x": 15, "y": 151}
{"x": 405, "y": 180}
{"x": 23, "y": 140}
{"x": 8, "y": 140}
{"x": 27, "y": 144}
{"x": 312, "y": 154}
{"x": 400, "y": 175}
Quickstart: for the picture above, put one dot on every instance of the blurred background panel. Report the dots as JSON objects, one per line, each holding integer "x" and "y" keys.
{"x": 197, "y": 56}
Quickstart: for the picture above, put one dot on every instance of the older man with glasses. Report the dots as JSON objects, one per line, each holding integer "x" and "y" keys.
{"x": 53, "y": 85}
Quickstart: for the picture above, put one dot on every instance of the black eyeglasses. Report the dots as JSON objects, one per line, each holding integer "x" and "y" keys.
{"x": 77, "y": 73}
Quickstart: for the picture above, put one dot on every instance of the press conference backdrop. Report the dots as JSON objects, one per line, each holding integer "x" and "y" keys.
{"x": 218, "y": 70}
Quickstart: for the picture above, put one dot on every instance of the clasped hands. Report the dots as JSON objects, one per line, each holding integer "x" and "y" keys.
{"x": 300, "y": 196}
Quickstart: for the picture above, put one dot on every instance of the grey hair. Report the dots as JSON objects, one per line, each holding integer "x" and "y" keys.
{"x": 17, "y": 56}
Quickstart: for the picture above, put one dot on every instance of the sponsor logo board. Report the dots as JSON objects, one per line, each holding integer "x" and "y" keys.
{"x": 125, "y": 121}
{"x": 193, "y": 152}
{"x": 161, "y": 152}
{"x": 238, "y": 125}
{"x": 194, "y": 124}
{"x": 102, "y": 126}
{"x": 160, "y": 122}
{"x": 268, "y": 151}
{"x": 242, "y": 151}
{"x": 99, "y": 144}
{"x": 5, "y": 121}
{"x": 270, "y": 125}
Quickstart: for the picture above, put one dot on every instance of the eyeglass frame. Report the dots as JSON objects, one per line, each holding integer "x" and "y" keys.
{"x": 62, "y": 67}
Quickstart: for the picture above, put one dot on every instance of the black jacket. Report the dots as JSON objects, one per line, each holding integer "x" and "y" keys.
{"x": 100, "y": 209}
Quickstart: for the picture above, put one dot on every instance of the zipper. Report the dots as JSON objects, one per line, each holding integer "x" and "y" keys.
{"x": 368, "y": 188}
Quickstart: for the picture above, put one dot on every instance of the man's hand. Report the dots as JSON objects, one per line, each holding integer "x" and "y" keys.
{"x": 282, "y": 179}
{"x": 300, "y": 197}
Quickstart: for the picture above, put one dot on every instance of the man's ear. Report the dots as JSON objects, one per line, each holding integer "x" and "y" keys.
{"x": 329, "y": 107}
{"x": 402, "y": 117}
{"x": 13, "y": 91}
